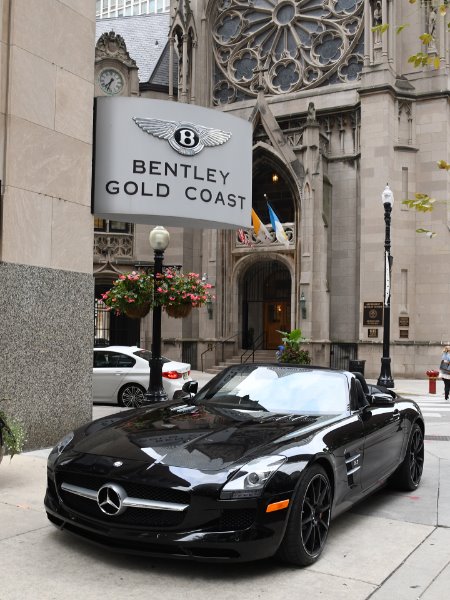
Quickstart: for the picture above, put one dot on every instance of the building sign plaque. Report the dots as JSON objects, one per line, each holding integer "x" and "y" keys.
{"x": 403, "y": 321}
{"x": 170, "y": 163}
{"x": 372, "y": 333}
{"x": 373, "y": 314}
{"x": 404, "y": 333}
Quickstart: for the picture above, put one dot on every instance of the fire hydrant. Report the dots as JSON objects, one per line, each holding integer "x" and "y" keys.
{"x": 432, "y": 375}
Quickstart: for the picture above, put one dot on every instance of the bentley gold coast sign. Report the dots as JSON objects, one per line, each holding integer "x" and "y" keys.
{"x": 169, "y": 163}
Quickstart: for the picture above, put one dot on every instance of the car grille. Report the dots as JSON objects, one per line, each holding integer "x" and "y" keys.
{"x": 131, "y": 517}
{"x": 136, "y": 490}
{"x": 137, "y": 517}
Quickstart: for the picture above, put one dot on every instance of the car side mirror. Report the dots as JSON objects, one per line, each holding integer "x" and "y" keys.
{"x": 190, "y": 387}
{"x": 380, "y": 399}
{"x": 188, "y": 390}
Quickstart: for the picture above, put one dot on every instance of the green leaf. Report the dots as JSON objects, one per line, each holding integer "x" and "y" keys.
{"x": 380, "y": 28}
{"x": 426, "y": 38}
{"x": 421, "y": 203}
{"x": 430, "y": 234}
{"x": 400, "y": 28}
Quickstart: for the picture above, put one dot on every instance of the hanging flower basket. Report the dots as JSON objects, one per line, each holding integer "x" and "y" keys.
{"x": 135, "y": 294}
{"x": 137, "y": 311}
{"x": 178, "y": 311}
{"x": 131, "y": 295}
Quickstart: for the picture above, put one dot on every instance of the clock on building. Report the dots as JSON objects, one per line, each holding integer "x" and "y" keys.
{"x": 111, "y": 81}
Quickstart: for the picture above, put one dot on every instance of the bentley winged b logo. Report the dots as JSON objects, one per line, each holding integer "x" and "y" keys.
{"x": 185, "y": 138}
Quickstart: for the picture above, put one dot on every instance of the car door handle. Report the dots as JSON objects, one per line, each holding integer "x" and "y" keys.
{"x": 396, "y": 415}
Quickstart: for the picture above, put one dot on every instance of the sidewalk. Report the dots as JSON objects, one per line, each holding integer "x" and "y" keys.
{"x": 392, "y": 546}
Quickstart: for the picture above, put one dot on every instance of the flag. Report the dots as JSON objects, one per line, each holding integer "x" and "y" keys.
{"x": 243, "y": 238}
{"x": 277, "y": 227}
{"x": 259, "y": 227}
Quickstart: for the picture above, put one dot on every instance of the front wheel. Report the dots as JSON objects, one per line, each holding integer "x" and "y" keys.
{"x": 408, "y": 475}
{"x": 131, "y": 395}
{"x": 309, "y": 521}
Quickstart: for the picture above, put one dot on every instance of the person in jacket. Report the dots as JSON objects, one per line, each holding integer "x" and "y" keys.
{"x": 445, "y": 371}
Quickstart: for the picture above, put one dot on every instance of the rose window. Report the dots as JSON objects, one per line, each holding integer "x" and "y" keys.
{"x": 285, "y": 45}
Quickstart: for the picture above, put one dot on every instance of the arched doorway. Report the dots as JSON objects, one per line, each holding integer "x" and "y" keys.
{"x": 266, "y": 304}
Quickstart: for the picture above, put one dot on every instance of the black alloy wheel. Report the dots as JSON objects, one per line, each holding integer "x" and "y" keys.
{"x": 309, "y": 520}
{"x": 407, "y": 477}
{"x": 131, "y": 395}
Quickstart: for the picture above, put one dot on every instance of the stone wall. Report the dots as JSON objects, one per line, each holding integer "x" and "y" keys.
{"x": 46, "y": 349}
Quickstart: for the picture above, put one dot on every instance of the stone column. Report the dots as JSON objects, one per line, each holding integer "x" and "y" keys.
{"x": 314, "y": 235}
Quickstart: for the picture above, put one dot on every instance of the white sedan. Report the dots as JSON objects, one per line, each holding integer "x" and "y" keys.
{"x": 121, "y": 374}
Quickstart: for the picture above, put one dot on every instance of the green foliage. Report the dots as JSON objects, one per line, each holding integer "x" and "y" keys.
{"x": 380, "y": 28}
{"x": 422, "y": 59}
{"x": 427, "y": 232}
{"x": 12, "y": 433}
{"x": 421, "y": 203}
{"x": 400, "y": 28}
{"x": 443, "y": 164}
{"x": 292, "y": 351}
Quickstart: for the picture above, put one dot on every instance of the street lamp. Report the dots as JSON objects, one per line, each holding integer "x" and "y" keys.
{"x": 385, "y": 378}
{"x": 159, "y": 240}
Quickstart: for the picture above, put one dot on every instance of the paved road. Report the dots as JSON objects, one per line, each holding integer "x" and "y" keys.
{"x": 394, "y": 546}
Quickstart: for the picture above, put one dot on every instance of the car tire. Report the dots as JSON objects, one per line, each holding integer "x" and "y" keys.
{"x": 132, "y": 395}
{"x": 408, "y": 475}
{"x": 309, "y": 519}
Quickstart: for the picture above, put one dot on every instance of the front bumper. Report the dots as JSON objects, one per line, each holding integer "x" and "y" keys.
{"x": 213, "y": 542}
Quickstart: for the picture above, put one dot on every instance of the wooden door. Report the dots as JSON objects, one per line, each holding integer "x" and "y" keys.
{"x": 276, "y": 318}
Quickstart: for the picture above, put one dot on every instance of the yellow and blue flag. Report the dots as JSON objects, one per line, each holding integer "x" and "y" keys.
{"x": 259, "y": 227}
{"x": 277, "y": 227}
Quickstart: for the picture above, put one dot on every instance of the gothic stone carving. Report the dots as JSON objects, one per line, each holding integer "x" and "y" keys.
{"x": 296, "y": 45}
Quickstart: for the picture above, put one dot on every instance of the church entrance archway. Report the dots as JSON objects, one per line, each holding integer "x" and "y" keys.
{"x": 266, "y": 302}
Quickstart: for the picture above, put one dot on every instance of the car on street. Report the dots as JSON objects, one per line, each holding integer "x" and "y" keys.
{"x": 121, "y": 375}
{"x": 256, "y": 463}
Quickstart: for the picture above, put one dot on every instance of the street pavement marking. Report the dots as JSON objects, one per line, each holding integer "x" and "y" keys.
{"x": 432, "y": 415}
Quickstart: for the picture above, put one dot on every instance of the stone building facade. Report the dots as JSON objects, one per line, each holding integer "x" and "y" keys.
{"x": 338, "y": 111}
{"x": 46, "y": 93}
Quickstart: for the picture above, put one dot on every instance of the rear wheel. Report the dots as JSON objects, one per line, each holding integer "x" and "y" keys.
{"x": 309, "y": 521}
{"x": 408, "y": 475}
{"x": 131, "y": 395}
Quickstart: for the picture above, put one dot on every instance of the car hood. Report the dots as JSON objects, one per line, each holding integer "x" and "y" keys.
{"x": 209, "y": 439}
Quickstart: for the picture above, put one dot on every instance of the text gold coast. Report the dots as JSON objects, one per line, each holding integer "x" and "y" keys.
{"x": 193, "y": 174}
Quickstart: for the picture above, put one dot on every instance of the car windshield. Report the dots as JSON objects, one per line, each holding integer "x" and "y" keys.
{"x": 279, "y": 389}
{"x": 146, "y": 355}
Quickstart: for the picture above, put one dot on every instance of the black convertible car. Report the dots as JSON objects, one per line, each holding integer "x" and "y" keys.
{"x": 255, "y": 464}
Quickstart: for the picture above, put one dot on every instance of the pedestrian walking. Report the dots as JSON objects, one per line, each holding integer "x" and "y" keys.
{"x": 445, "y": 370}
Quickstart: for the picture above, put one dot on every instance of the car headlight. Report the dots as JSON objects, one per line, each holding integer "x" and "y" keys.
{"x": 61, "y": 446}
{"x": 251, "y": 479}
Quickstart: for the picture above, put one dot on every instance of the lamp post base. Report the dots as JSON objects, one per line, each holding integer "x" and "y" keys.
{"x": 156, "y": 392}
{"x": 154, "y": 396}
{"x": 385, "y": 378}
